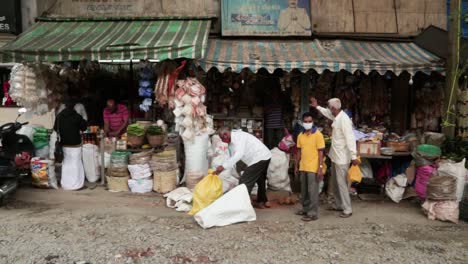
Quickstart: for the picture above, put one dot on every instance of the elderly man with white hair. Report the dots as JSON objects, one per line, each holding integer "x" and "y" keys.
{"x": 342, "y": 152}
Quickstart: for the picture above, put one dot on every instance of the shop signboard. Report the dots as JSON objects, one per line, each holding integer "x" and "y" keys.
{"x": 265, "y": 18}
{"x": 10, "y": 18}
{"x": 104, "y": 7}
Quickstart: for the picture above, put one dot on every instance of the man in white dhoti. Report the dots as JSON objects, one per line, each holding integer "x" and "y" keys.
{"x": 294, "y": 19}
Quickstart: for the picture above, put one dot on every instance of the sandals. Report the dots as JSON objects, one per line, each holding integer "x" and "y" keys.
{"x": 343, "y": 215}
{"x": 307, "y": 218}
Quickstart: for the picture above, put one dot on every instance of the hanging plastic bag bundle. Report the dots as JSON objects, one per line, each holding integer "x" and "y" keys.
{"x": 206, "y": 192}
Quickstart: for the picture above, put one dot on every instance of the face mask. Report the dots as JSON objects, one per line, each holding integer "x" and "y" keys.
{"x": 308, "y": 126}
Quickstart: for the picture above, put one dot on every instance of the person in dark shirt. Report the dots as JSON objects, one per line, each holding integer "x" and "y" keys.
{"x": 68, "y": 125}
{"x": 274, "y": 123}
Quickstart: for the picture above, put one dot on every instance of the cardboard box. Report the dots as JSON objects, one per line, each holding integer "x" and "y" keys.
{"x": 369, "y": 148}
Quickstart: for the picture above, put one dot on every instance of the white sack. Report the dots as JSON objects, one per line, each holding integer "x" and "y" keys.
{"x": 233, "y": 207}
{"x": 395, "y": 187}
{"x": 278, "y": 171}
{"x": 180, "y": 199}
{"x": 141, "y": 185}
{"x": 441, "y": 210}
{"x": 196, "y": 158}
{"x": 140, "y": 171}
{"x": 457, "y": 170}
{"x": 229, "y": 181}
{"x": 42, "y": 153}
{"x": 91, "y": 162}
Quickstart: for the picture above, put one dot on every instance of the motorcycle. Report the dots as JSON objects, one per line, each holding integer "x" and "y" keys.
{"x": 15, "y": 156}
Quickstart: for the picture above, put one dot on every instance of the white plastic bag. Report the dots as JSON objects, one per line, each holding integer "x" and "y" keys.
{"x": 366, "y": 169}
{"x": 457, "y": 170}
{"x": 233, "y": 207}
{"x": 278, "y": 171}
{"x": 27, "y": 130}
{"x": 91, "y": 162}
{"x": 196, "y": 158}
{"x": 52, "y": 141}
{"x": 140, "y": 171}
{"x": 442, "y": 210}
{"x": 141, "y": 185}
{"x": 180, "y": 199}
{"x": 395, "y": 187}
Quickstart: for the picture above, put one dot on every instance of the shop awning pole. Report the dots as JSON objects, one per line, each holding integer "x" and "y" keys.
{"x": 103, "y": 159}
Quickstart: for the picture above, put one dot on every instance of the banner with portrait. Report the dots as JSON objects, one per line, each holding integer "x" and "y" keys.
{"x": 266, "y": 18}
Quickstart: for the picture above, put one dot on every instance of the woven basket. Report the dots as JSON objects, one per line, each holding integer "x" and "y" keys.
{"x": 135, "y": 141}
{"x": 155, "y": 140}
{"x": 117, "y": 184}
{"x": 399, "y": 146}
{"x": 165, "y": 182}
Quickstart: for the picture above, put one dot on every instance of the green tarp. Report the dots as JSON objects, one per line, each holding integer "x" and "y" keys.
{"x": 63, "y": 40}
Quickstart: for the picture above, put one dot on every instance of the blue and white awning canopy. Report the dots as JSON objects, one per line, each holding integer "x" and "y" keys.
{"x": 320, "y": 55}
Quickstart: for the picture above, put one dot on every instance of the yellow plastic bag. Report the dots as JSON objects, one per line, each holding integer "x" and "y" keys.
{"x": 354, "y": 174}
{"x": 206, "y": 192}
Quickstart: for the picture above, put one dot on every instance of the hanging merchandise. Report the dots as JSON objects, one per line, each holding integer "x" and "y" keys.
{"x": 145, "y": 84}
{"x": 462, "y": 115}
{"x": 166, "y": 84}
{"x": 428, "y": 106}
{"x": 28, "y": 87}
{"x": 190, "y": 112}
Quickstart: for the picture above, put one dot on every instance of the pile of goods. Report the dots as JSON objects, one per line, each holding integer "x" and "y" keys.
{"x": 165, "y": 169}
{"x": 140, "y": 171}
{"x": 155, "y": 134}
{"x": 429, "y": 107}
{"x": 117, "y": 174}
{"x": 135, "y": 135}
{"x": 190, "y": 113}
{"x": 373, "y": 101}
{"x": 210, "y": 207}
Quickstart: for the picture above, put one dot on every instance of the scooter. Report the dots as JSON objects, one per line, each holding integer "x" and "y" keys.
{"x": 15, "y": 156}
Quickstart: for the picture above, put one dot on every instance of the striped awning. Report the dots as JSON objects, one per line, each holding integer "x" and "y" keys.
{"x": 320, "y": 55}
{"x": 64, "y": 40}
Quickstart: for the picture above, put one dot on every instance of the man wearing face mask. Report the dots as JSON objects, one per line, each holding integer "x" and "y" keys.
{"x": 311, "y": 145}
{"x": 342, "y": 152}
{"x": 250, "y": 150}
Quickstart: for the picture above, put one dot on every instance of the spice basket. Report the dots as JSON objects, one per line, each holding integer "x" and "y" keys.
{"x": 135, "y": 141}
{"x": 155, "y": 140}
{"x": 164, "y": 182}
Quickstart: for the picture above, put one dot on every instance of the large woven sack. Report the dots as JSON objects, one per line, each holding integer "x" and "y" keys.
{"x": 442, "y": 188}
{"x": 117, "y": 184}
{"x": 457, "y": 170}
{"x": 165, "y": 181}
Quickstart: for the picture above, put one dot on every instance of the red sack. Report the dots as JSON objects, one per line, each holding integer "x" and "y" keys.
{"x": 287, "y": 142}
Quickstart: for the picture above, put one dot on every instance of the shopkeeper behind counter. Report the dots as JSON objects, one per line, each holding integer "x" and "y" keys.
{"x": 115, "y": 119}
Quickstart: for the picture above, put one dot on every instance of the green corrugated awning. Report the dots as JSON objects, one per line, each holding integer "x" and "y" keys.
{"x": 64, "y": 40}
{"x": 320, "y": 55}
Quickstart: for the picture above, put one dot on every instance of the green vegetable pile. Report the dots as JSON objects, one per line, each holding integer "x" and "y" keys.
{"x": 455, "y": 149}
{"x": 155, "y": 131}
{"x": 136, "y": 130}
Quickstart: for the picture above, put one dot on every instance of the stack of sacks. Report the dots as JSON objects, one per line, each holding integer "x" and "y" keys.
{"x": 219, "y": 154}
{"x": 165, "y": 169}
{"x": 117, "y": 174}
{"x": 140, "y": 172}
{"x": 191, "y": 117}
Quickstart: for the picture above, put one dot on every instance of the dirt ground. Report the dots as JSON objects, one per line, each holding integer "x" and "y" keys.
{"x": 96, "y": 226}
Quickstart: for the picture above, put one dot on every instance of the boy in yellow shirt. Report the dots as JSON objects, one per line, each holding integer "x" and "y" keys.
{"x": 309, "y": 164}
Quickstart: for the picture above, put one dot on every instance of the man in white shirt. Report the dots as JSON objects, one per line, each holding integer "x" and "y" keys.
{"x": 250, "y": 150}
{"x": 294, "y": 20}
{"x": 342, "y": 152}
